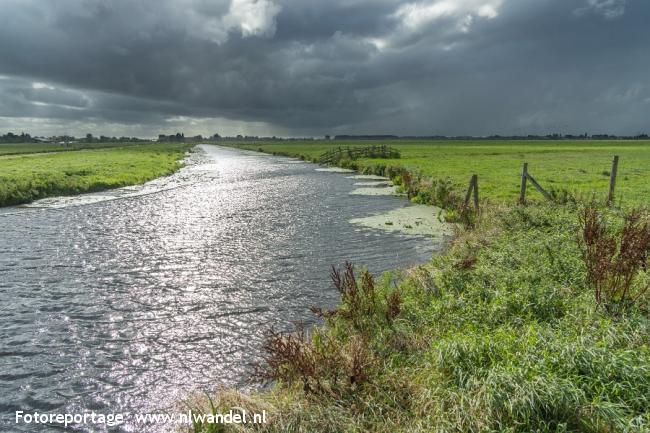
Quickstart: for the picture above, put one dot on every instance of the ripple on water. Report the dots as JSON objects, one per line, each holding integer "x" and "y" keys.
{"x": 128, "y": 300}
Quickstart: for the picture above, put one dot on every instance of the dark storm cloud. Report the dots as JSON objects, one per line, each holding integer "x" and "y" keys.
{"x": 313, "y": 67}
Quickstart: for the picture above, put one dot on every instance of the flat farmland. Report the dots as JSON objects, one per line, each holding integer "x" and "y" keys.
{"x": 580, "y": 167}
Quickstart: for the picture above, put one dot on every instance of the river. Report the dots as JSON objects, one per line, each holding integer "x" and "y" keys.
{"x": 127, "y": 301}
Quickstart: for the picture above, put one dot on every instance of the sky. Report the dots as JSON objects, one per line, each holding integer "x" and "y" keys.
{"x": 316, "y": 67}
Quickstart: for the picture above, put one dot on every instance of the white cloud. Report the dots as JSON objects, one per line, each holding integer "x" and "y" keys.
{"x": 249, "y": 17}
{"x": 416, "y": 15}
{"x": 420, "y": 14}
{"x": 253, "y": 17}
{"x": 488, "y": 11}
{"x": 38, "y": 85}
{"x": 379, "y": 43}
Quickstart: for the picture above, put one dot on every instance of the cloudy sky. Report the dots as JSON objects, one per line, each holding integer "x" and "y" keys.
{"x": 313, "y": 67}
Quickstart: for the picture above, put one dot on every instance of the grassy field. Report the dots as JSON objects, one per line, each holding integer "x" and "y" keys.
{"x": 32, "y": 175}
{"x": 9, "y": 149}
{"x": 507, "y": 331}
{"x": 579, "y": 167}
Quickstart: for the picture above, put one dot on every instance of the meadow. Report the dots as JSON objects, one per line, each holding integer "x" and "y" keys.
{"x": 535, "y": 319}
{"x": 9, "y": 149}
{"x": 577, "y": 167}
{"x": 32, "y": 174}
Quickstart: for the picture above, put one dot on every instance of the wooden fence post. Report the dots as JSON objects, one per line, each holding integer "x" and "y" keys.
{"x": 538, "y": 187}
{"x": 472, "y": 191}
{"x": 612, "y": 180}
{"x": 524, "y": 178}
{"x": 469, "y": 190}
{"x": 475, "y": 177}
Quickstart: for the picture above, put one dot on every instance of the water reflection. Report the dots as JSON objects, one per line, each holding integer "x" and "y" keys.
{"x": 129, "y": 301}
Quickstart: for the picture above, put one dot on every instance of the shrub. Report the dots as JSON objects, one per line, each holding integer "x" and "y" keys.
{"x": 324, "y": 362}
{"x": 616, "y": 260}
{"x": 563, "y": 196}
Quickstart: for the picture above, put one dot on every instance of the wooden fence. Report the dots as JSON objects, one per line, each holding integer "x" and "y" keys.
{"x": 526, "y": 177}
{"x": 335, "y": 155}
{"x": 472, "y": 190}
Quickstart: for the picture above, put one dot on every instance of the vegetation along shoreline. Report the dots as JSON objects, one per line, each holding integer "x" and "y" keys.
{"x": 536, "y": 318}
{"x": 35, "y": 171}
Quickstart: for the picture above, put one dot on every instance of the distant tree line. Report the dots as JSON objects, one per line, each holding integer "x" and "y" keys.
{"x": 180, "y": 137}
{"x": 555, "y": 136}
{"x": 89, "y": 138}
{"x": 10, "y": 137}
{"x": 239, "y": 137}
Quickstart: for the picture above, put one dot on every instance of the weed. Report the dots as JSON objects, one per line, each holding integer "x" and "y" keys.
{"x": 562, "y": 196}
{"x": 393, "y": 305}
{"x": 322, "y": 365}
{"x": 616, "y": 260}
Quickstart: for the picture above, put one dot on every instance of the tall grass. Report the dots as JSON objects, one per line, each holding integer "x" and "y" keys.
{"x": 502, "y": 333}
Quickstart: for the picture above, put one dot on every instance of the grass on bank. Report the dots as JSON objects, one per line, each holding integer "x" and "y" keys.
{"x": 524, "y": 324}
{"x": 500, "y": 334}
{"x": 30, "y": 177}
{"x": 577, "y": 167}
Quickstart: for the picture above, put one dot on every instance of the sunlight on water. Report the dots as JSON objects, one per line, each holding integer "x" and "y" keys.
{"x": 128, "y": 300}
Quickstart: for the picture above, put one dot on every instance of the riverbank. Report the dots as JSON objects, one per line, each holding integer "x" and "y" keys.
{"x": 565, "y": 168}
{"x": 28, "y": 177}
{"x": 506, "y": 331}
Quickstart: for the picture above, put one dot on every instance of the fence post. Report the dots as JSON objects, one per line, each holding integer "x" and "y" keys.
{"x": 472, "y": 191}
{"x": 469, "y": 190}
{"x": 612, "y": 180}
{"x": 524, "y": 178}
{"x": 475, "y": 179}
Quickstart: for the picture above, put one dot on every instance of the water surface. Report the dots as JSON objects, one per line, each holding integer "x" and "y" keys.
{"x": 126, "y": 301}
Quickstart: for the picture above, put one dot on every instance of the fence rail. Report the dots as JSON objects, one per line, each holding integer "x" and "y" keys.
{"x": 526, "y": 177}
{"x": 335, "y": 155}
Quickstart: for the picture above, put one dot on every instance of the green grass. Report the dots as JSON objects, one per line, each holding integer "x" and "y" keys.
{"x": 580, "y": 167}
{"x": 10, "y": 149}
{"x": 24, "y": 178}
{"x": 500, "y": 334}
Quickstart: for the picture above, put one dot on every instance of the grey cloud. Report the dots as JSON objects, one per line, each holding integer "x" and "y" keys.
{"x": 607, "y": 8}
{"x": 314, "y": 67}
